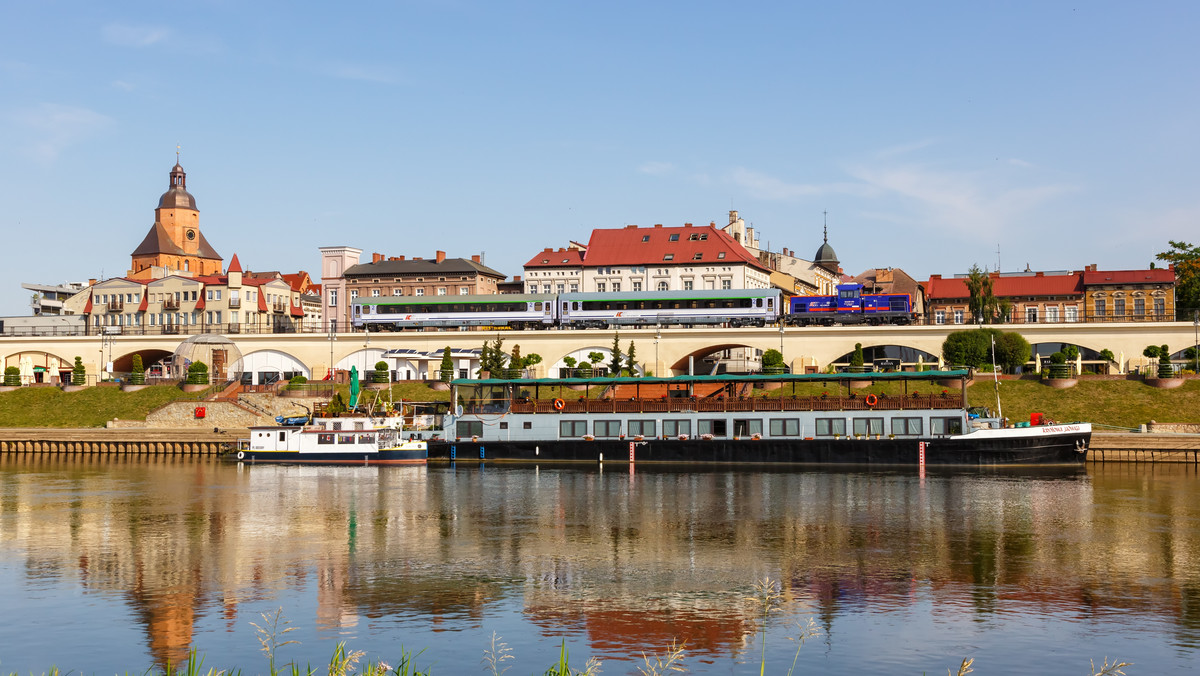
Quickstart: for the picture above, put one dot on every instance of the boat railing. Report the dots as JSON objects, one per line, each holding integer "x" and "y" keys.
{"x": 856, "y": 402}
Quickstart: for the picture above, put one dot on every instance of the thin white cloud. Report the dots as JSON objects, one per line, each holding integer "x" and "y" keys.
{"x": 1020, "y": 163}
{"x": 657, "y": 168}
{"x": 351, "y": 71}
{"x": 123, "y": 85}
{"x": 51, "y": 128}
{"x": 764, "y": 186}
{"x": 128, "y": 35}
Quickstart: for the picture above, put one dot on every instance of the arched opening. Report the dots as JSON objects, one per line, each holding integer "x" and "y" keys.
{"x": 891, "y": 358}
{"x": 267, "y": 367}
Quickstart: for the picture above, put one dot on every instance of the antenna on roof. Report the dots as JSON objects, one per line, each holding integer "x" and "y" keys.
{"x": 997, "y": 256}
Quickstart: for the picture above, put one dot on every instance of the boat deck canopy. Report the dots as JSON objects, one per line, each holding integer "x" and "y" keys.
{"x": 726, "y": 378}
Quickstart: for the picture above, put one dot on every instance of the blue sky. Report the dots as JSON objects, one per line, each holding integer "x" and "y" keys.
{"x": 932, "y": 133}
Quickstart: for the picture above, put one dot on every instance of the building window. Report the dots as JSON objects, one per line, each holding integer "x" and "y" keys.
{"x": 574, "y": 287}
{"x": 637, "y": 285}
{"x": 464, "y": 290}
{"x": 1139, "y": 307}
{"x": 441, "y": 291}
{"x": 827, "y": 427}
{"x": 1072, "y": 314}
{"x": 687, "y": 285}
{"x": 698, "y": 256}
{"x": 1119, "y": 307}
{"x": 669, "y": 257}
{"x": 1160, "y": 306}
{"x": 607, "y": 428}
{"x": 420, "y": 291}
{"x": 939, "y": 317}
{"x": 906, "y": 426}
{"x": 1051, "y": 314}
{"x": 601, "y": 287}
{"x": 332, "y": 298}
{"x": 673, "y": 238}
{"x": 572, "y": 428}
{"x": 1031, "y": 315}
{"x": 353, "y": 295}
{"x": 645, "y": 238}
{"x": 397, "y": 292}
{"x": 468, "y": 428}
{"x": 1101, "y": 308}
{"x": 643, "y": 428}
{"x": 726, "y": 284}
{"x": 374, "y": 293}
{"x": 546, "y": 288}
{"x": 958, "y": 316}
{"x": 662, "y": 286}
{"x": 720, "y": 255}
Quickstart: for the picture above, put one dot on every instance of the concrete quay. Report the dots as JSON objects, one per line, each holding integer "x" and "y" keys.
{"x": 1144, "y": 447}
{"x": 121, "y": 441}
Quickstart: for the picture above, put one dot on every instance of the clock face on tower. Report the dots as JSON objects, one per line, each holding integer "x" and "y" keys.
{"x": 191, "y": 234}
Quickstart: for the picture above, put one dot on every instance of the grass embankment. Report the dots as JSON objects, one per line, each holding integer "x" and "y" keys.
{"x": 1121, "y": 403}
{"x": 92, "y": 407}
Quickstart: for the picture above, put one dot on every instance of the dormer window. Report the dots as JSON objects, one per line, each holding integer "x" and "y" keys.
{"x": 698, "y": 256}
{"x": 720, "y": 254}
{"x": 645, "y": 238}
{"x": 693, "y": 237}
{"x": 669, "y": 257}
{"x": 674, "y": 237}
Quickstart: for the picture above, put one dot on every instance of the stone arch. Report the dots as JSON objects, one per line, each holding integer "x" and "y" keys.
{"x": 906, "y": 355}
{"x": 42, "y": 366}
{"x": 263, "y": 367}
{"x": 719, "y": 358}
{"x": 365, "y": 359}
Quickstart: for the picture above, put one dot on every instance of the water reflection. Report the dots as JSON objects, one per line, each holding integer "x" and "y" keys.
{"x": 619, "y": 563}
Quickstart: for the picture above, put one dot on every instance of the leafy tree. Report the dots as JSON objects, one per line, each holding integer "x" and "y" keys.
{"x": 78, "y": 372}
{"x": 971, "y": 347}
{"x": 1006, "y": 311}
{"x": 492, "y": 358}
{"x": 380, "y": 374}
{"x": 337, "y": 405}
{"x": 1071, "y": 352}
{"x": 1108, "y": 355}
{"x": 615, "y": 360}
{"x": 772, "y": 357}
{"x": 12, "y": 376}
{"x": 594, "y": 358}
{"x": 631, "y": 359}
{"x": 570, "y": 362}
{"x": 1012, "y": 350}
{"x": 446, "y": 368}
{"x": 1186, "y": 259}
{"x": 137, "y": 374}
{"x": 982, "y": 303}
{"x": 1151, "y": 352}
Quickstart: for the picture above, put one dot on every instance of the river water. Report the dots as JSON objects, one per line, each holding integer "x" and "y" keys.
{"x": 109, "y": 565}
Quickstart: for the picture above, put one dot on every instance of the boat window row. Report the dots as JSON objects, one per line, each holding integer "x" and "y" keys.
{"x": 739, "y": 427}
{"x": 328, "y": 438}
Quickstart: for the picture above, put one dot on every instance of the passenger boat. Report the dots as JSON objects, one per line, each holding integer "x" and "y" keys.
{"x": 333, "y": 441}
{"x": 901, "y": 418}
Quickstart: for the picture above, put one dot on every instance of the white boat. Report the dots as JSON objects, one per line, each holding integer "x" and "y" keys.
{"x": 349, "y": 440}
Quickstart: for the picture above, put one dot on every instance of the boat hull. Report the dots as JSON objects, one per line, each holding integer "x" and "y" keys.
{"x": 1069, "y": 448}
{"x": 383, "y": 457}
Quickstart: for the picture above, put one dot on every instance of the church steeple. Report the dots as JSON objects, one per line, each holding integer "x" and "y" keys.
{"x": 175, "y": 242}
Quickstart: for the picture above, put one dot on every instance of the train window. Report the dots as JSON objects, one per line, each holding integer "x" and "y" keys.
{"x": 575, "y": 305}
{"x": 770, "y": 302}
{"x": 537, "y": 307}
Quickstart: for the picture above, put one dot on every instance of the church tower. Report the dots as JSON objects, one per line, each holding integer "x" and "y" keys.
{"x": 175, "y": 244}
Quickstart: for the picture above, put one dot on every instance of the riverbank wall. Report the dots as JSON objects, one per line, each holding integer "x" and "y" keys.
{"x": 128, "y": 441}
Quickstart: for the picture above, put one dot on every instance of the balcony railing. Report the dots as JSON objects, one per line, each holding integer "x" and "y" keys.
{"x": 170, "y": 304}
{"x": 280, "y": 306}
{"x": 115, "y": 306}
{"x": 733, "y": 405}
{"x": 235, "y": 302}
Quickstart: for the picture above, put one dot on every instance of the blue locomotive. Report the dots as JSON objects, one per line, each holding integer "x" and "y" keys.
{"x": 850, "y": 306}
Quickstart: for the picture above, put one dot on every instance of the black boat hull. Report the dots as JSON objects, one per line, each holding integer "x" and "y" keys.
{"x": 1058, "y": 449}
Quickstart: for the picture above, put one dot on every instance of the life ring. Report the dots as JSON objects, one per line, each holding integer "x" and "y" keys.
{"x": 559, "y": 404}
{"x": 872, "y": 400}
{"x": 241, "y": 454}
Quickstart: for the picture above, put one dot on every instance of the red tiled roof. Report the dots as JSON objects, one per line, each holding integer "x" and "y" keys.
{"x": 1155, "y": 276}
{"x": 1003, "y": 287}
{"x": 234, "y": 265}
{"x": 262, "y": 302}
{"x": 297, "y": 311}
{"x": 145, "y": 304}
{"x": 87, "y": 308}
{"x": 550, "y": 258}
{"x": 632, "y": 245}
{"x": 200, "y": 302}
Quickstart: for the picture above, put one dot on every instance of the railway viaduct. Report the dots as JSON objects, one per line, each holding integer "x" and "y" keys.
{"x": 660, "y": 350}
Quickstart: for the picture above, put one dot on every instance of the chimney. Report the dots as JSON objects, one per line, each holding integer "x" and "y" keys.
{"x": 91, "y": 282}
{"x": 393, "y": 258}
{"x": 687, "y": 225}
{"x": 474, "y": 258}
{"x": 932, "y": 277}
{"x": 1039, "y": 273}
{"x": 631, "y": 227}
{"x": 516, "y": 278}
{"x": 399, "y": 258}
{"x": 441, "y": 256}
{"x": 376, "y": 257}
{"x": 418, "y": 258}
{"x": 658, "y": 225}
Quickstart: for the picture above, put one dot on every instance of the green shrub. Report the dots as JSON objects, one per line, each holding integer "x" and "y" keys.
{"x": 381, "y": 374}
{"x": 1164, "y": 363}
{"x": 137, "y": 373}
{"x": 197, "y": 373}
{"x": 446, "y": 370}
{"x": 298, "y": 380}
{"x": 12, "y": 376}
{"x": 78, "y": 372}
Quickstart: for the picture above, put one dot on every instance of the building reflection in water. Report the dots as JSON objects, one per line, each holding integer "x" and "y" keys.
{"x": 626, "y": 563}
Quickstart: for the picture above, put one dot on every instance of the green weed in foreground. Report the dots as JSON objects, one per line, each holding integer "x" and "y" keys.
{"x": 767, "y": 595}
